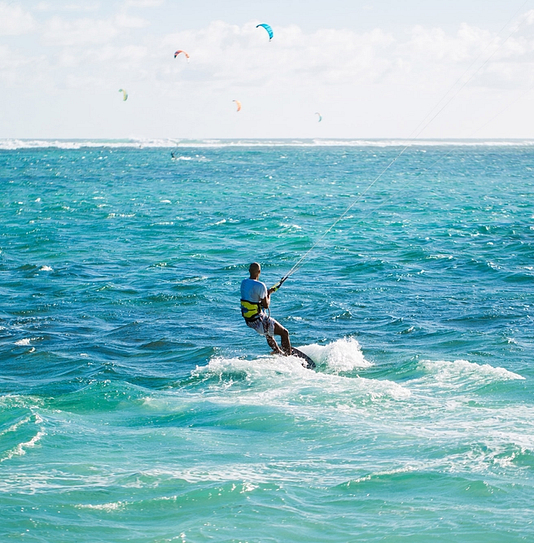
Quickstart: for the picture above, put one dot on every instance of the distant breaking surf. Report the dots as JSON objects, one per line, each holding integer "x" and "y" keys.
{"x": 14, "y": 144}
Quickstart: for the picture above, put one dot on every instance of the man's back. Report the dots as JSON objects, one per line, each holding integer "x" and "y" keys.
{"x": 253, "y": 290}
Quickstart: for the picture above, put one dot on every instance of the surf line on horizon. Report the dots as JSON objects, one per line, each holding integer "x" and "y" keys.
{"x": 427, "y": 120}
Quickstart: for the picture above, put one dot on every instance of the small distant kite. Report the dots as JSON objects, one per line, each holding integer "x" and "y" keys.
{"x": 320, "y": 117}
{"x": 238, "y": 104}
{"x": 268, "y": 29}
{"x": 180, "y": 51}
{"x": 124, "y": 94}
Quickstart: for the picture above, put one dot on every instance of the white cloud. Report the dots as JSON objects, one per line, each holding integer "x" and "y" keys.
{"x": 9, "y": 59}
{"x": 85, "y": 6}
{"x": 127, "y": 21}
{"x": 14, "y": 20}
{"x": 144, "y": 3}
{"x": 13, "y": 65}
{"x": 244, "y": 56}
{"x": 59, "y": 32}
{"x": 225, "y": 55}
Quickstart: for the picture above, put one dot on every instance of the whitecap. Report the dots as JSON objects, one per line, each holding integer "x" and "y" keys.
{"x": 120, "y": 215}
{"x": 461, "y": 373}
{"x": 14, "y": 427}
{"x": 107, "y": 507}
{"x": 342, "y": 355}
{"x": 291, "y": 226}
{"x": 20, "y": 449}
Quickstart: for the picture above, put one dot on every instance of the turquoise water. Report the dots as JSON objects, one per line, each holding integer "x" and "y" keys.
{"x": 136, "y": 406}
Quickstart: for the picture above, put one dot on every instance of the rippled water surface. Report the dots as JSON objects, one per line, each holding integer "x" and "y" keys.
{"x": 136, "y": 406}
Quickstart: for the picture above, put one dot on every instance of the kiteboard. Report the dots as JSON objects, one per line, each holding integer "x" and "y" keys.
{"x": 307, "y": 362}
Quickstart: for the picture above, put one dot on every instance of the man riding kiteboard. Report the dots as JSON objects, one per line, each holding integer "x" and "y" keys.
{"x": 255, "y": 297}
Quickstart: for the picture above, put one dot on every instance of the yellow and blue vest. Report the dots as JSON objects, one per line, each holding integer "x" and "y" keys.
{"x": 250, "y": 310}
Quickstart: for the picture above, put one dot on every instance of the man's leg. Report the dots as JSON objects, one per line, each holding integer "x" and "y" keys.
{"x": 273, "y": 345}
{"x": 279, "y": 330}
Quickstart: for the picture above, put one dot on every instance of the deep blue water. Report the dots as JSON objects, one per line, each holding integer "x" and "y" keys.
{"x": 135, "y": 405}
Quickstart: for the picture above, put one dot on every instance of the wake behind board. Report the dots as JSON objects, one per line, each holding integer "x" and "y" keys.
{"x": 307, "y": 362}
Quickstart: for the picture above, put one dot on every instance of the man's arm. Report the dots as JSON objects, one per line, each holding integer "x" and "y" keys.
{"x": 266, "y": 301}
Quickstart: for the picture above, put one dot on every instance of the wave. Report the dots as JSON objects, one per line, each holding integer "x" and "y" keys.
{"x": 343, "y": 355}
{"x": 24, "y": 433}
{"x": 464, "y": 375}
{"x": 279, "y": 380}
{"x": 342, "y": 380}
{"x": 15, "y": 144}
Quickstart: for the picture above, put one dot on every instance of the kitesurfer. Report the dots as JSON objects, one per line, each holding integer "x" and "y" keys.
{"x": 255, "y": 297}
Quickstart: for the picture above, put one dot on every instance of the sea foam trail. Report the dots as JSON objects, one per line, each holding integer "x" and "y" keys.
{"x": 280, "y": 380}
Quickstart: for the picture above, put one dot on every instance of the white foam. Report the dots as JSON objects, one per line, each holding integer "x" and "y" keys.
{"x": 107, "y": 507}
{"x": 450, "y": 372}
{"x": 292, "y": 227}
{"x": 342, "y": 355}
{"x": 26, "y": 341}
{"x": 20, "y": 449}
{"x": 120, "y": 215}
{"x": 283, "y": 382}
{"x": 16, "y": 426}
{"x": 261, "y": 367}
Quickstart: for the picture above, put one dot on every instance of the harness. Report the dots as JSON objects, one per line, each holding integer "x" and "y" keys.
{"x": 250, "y": 310}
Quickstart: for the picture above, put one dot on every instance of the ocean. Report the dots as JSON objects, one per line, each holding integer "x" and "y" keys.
{"x": 135, "y": 405}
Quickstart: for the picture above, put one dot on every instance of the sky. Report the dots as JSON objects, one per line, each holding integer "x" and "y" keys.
{"x": 372, "y": 69}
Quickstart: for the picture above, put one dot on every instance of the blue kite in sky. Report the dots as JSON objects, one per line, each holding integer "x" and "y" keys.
{"x": 268, "y": 28}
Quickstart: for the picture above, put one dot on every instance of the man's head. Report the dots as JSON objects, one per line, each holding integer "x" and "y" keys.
{"x": 254, "y": 270}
